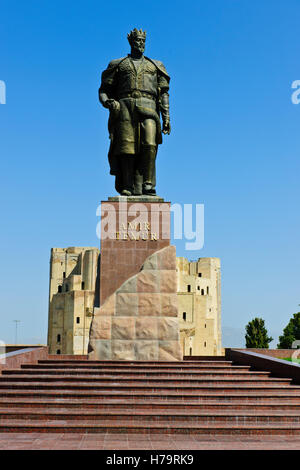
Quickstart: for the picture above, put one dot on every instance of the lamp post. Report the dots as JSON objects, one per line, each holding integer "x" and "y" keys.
{"x": 16, "y": 337}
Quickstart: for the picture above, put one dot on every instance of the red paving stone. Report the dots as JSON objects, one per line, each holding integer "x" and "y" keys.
{"x": 23, "y": 441}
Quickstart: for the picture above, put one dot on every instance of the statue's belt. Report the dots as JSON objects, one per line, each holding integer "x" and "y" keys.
{"x": 138, "y": 94}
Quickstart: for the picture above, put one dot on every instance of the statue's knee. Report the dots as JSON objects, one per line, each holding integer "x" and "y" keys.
{"x": 149, "y": 134}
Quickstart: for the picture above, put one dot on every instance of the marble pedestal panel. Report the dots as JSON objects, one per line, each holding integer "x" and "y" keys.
{"x": 139, "y": 321}
{"x": 131, "y": 230}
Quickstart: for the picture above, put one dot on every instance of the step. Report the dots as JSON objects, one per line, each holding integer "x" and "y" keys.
{"x": 106, "y": 384}
{"x": 203, "y": 358}
{"x": 173, "y": 418}
{"x": 135, "y": 367}
{"x": 149, "y": 428}
{"x": 138, "y": 363}
{"x": 130, "y": 373}
{"x": 170, "y": 405}
{"x": 198, "y": 396}
{"x": 141, "y": 380}
{"x": 75, "y": 357}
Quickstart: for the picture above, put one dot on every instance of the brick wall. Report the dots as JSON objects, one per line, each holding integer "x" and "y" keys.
{"x": 14, "y": 359}
{"x": 279, "y": 353}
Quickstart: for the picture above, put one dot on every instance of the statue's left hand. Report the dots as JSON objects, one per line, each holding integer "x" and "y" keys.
{"x": 166, "y": 127}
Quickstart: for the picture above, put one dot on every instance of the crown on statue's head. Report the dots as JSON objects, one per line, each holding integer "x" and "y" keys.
{"x": 136, "y": 33}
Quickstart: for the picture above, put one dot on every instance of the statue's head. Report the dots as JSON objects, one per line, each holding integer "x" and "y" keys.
{"x": 137, "y": 39}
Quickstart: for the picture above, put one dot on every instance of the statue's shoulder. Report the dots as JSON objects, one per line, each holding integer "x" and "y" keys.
{"x": 160, "y": 66}
{"x": 115, "y": 62}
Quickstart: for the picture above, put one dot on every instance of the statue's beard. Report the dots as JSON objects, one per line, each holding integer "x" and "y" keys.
{"x": 139, "y": 49}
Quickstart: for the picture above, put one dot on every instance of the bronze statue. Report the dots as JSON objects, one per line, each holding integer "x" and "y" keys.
{"x": 135, "y": 90}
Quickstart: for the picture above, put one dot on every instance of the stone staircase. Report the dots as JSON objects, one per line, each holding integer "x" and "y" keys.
{"x": 209, "y": 396}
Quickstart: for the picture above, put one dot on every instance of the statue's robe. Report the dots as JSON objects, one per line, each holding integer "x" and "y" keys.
{"x": 139, "y": 93}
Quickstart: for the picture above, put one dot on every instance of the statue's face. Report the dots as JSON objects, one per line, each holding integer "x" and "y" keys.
{"x": 138, "y": 44}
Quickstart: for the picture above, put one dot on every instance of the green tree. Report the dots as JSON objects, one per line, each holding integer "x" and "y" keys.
{"x": 257, "y": 334}
{"x": 290, "y": 333}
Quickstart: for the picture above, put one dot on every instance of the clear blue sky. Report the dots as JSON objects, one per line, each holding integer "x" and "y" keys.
{"x": 234, "y": 144}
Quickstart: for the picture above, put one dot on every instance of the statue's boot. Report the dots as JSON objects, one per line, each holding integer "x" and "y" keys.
{"x": 127, "y": 165}
{"x": 138, "y": 183}
{"x": 148, "y": 169}
{"x": 118, "y": 182}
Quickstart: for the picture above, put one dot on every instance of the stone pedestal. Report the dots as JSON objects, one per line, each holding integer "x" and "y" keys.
{"x": 139, "y": 322}
{"x": 131, "y": 230}
{"x": 138, "y": 315}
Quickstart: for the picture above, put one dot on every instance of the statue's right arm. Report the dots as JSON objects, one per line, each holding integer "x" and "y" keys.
{"x": 108, "y": 81}
{"x": 104, "y": 99}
